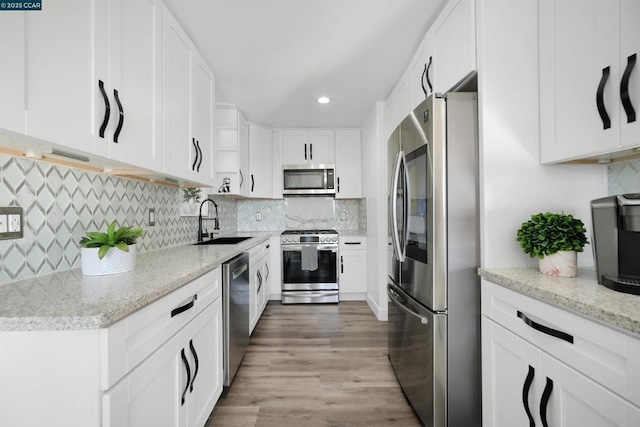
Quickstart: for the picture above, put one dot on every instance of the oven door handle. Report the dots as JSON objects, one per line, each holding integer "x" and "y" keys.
{"x": 298, "y": 248}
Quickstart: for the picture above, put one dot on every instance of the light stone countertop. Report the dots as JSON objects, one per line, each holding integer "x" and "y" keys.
{"x": 70, "y": 301}
{"x": 582, "y": 294}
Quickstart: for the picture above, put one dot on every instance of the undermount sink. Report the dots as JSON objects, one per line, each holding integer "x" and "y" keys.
{"x": 224, "y": 241}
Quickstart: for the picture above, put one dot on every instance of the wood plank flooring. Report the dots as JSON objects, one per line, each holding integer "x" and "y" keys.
{"x": 315, "y": 365}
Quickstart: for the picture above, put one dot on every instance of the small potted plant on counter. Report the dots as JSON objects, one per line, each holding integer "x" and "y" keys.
{"x": 555, "y": 239}
{"x": 111, "y": 252}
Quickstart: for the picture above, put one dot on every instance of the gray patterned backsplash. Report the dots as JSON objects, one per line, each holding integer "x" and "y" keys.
{"x": 623, "y": 177}
{"x": 61, "y": 204}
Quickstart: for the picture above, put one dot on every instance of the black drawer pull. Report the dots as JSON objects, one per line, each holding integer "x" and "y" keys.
{"x": 185, "y": 307}
{"x": 352, "y": 243}
{"x": 545, "y": 329}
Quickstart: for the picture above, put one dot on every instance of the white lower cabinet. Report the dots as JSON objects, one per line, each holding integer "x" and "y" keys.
{"x": 159, "y": 366}
{"x": 353, "y": 268}
{"x": 548, "y": 371}
{"x": 259, "y": 281}
{"x": 178, "y": 385}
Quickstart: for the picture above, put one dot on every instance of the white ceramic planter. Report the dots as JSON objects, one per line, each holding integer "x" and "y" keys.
{"x": 561, "y": 264}
{"x": 115, "y": 261}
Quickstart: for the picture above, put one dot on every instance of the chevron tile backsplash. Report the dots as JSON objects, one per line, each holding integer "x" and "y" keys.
{"x": 61, "y": 204}
{"x": 623, "y": 177}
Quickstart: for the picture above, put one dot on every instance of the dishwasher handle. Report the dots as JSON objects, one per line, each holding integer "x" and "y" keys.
{"x": 404, "y": 308}
{"x": 238, "y": 271}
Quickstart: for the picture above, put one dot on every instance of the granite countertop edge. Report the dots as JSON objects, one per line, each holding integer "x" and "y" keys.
{"x": 67, "y": 300}
{"x": 582, "y": 295}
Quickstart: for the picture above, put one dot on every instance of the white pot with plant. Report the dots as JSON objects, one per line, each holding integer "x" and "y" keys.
{"x": 190, "y": 204}
{"x": 111, "y": 252}
{"x": 555, "y": 239}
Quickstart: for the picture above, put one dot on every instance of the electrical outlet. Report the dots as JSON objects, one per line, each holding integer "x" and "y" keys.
{"x": 258, "y": 216}
{"x": 14, "y": 223}
{"x": 152, "y": 217}
{"x": 343, "y": 216}
{"x": 11, "y": 223}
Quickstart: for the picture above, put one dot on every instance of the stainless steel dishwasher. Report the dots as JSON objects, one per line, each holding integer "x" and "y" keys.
{"x": 235, "y": 311}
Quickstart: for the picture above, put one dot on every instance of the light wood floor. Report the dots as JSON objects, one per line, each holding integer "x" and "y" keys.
{"x": 315, "y": 365}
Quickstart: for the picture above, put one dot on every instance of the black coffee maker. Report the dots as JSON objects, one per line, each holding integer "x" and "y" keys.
{"x": 616, "y": 241}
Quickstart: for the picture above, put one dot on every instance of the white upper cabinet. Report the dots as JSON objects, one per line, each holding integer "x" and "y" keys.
{"x": 454, "y": 45}
{"x": 135, "y": 82}
{"x": 397, "y": 106}
{"x": 420, "y": 72}
{"x": 85, "y": 76}
{"x": 203, "y": 99}
{"x": 188, "y": 105}
{"x": 308, "y": 146}
{"x": 348, "y": 164}
{"x": 260, "y": 162}
{"x": 589, "y": 83}
{"x": 63, "y": 58}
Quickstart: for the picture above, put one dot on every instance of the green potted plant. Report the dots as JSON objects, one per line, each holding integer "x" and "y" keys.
{"x": 555, "y": 239}
{"x": 191, "y": 202}
{"x": 111, "y": 252}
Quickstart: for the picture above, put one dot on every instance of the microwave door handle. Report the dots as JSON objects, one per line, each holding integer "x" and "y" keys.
{"x": 394, "y": 207}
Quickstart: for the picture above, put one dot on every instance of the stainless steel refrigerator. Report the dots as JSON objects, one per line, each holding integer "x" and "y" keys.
{"x": 433, "y": 287}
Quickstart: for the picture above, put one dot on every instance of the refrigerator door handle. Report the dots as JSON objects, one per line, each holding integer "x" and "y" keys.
{"x": 394, "y": 208}
{"x": 404, "y": 308}
{"x": 407, "y": 208}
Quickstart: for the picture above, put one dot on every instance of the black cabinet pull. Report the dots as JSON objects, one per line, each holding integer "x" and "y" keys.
{"x": 525, "y": 395}
{"x": 545, "y": 329}
{"x": 422, "y": 77}
{"x": 544, "y": 402}
{"x": 241, "y": 178}
{"x": 341, "y": 265}
{"x": 259, "y": 275}
{"x": 185, "y": 307}
{"x": 195, "y": 147}
{"x": 351, "y": 243}
{"x": 310, "y": 151}
{"x": 120, "y": 120}
{"x": 427, "y": 74}
{"x": 305, "y": 151}
{"x": 606, "y": 121}
{"x": 195, "y": 358}
{"x": 338, "y": 184}
{"x": 252, "y": 183}
{"x": 199, "y": 155}
{"x": 268, "y": 271}
{"x": 186, "y": 367}
{"x": 624, "y": 90}
{"x": 107, "y": 109}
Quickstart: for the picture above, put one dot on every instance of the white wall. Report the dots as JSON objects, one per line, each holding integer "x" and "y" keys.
{"x": 513, "y": 183}
{"x": 374, "y": 173}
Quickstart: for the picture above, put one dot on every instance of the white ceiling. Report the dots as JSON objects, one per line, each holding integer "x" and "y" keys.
{"x": 274, "y": 58}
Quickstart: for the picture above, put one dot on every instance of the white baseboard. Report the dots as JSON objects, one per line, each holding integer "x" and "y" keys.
{"x": 381, "y": 313}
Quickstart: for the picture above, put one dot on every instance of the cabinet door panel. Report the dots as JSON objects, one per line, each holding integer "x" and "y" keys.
{"x": 135, "y": 64}
{"x": 348, "y": 164}
{"x": 578, "y": 401}
{"x": 423, "y": 58}
{"x": 321, "y": 147}
{"x": 578, "y": 40}
{"x": 353, "y": 271}
{"x": 179, "y": 150}
{"x": 507, "y": 360}
{"x": 630, "y": 45}
{"x": 150, "y": 394}
{"x": 205, "y": 335}
{"x": 295, "y": 146}
{"x": 12, "y": 71}
{"x": 61, "y": 76}
{"x": 260, "y": 162}
{"x": 203, "y": 110}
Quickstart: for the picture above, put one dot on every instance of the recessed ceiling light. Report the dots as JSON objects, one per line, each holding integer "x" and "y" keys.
{"x": 323, "y": 100}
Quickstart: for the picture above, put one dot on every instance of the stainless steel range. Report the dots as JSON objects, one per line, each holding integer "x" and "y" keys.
{"x": 309, "y": 266}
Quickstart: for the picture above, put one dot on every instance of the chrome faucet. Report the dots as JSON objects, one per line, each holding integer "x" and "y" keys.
{"x": 216, "y": 222}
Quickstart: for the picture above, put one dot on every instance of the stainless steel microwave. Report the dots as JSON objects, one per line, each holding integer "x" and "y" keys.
{"x": 309, "y": 180}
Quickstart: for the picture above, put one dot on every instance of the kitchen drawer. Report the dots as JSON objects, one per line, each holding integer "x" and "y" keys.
{"x": 608, "y": 356}
{"x": 128, "y": 342}
{"x": 259, "y": 250}
{"x": 353, "y": 242}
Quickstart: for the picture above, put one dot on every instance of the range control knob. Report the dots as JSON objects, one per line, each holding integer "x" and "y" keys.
{"x": 334, "y": 238}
